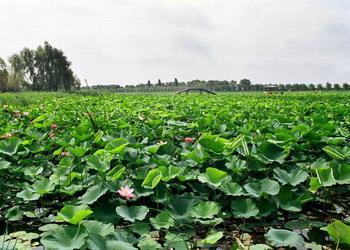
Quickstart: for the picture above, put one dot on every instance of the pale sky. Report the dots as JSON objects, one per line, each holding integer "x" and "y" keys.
{"x": 132, "y": 41}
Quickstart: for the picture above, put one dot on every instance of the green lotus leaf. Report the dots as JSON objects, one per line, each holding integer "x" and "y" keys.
{"x": 119, "y": 245}
{"x": 117, "y": 146}
{"x": 169, "y": 173}
{"x": 292, "y": 201}
{"x": 244, "y": 208}
{"x": 272, "y": 152}
{"x": 34, "y": 148}
{"x": 162, "y": 220}
{"x": 96, "y": 242}
{"x": 301, "y": 224}
{"x": 260, "y": 247}
{"x": 9, "y": 147}
{"x": 4, "y": 165}
{"x": 314, "y": 184}
{"x": 105, "y": 212}
{"x": 115, "y": 173}
{"x": 73, "y": 214}
{"x": 212, "y": 143}
{"x": 78, "y": 151}
{"x": 325, "y": 177}
{"x": 197, "y": 155}
{"x": 234, "y": 144}
{"x": 177, "y": 240}
{"x": 341, "y": 173}
{"x": 266, "y": 207}
{"x": 180, "y": 208}
{"x": 97, "y": 227}
{"x": 339, "y": 232}
{"x": 65, "y": 238}
{"x": 141, "y": 228}
{"x": 293, "y": 177}
{"x": 33, "y": 171}
{"x": 28, "y": 195}
{"x": 92, "y": 194}
{"x": 141, "y": 191}
{"x": 72, "y": 189}
{"x": 99, "y": 163}
{"x": 177, "y": 244}
{"x": 48, "y": 227}
{"x": 14, "y": 214}
{"x": 43, "y": 186}
{"x": 152, "y": 179}
{"x": 284, "y": 238}
{"x": 153, "y": 149}
{"x": 213, "y": 176}
{"x": 257, "y": 188}
{"x": 205, "y": 210}
{"x": 212, "y": 238}
{"x": 132, "y": 213}
{"x": 148, "y": 243}
{"x": 334, "y": 153}
{"x": 232, "y": 189}
{"x": 161, "y": 193}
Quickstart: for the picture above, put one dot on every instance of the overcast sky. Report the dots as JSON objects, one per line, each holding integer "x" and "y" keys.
{"x": 132, "y": 41}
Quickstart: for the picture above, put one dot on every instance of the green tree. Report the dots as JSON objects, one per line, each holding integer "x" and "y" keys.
{"x": 233, "y": 85}
{"x": 45, "y": 68}
{"x": 245, "y": 84}
{"x": 337, "y": 86}
{"x": 312, "y": 86}
{"x": 176, "y": 82}
{"x": 4, "y": 75}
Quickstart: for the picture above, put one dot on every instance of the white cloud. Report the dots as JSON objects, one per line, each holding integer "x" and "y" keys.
{"x": 132, "y": 41}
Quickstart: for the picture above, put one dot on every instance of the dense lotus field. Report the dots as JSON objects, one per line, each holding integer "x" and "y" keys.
{"x": 231, "y": 171}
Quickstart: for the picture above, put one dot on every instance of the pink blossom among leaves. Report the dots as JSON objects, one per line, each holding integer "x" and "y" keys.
{"x": 126, "y": 192}
{"x": 189, "y": 140}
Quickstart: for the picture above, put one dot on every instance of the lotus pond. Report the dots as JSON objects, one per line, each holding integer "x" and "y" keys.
{"x": 229, "y": 171}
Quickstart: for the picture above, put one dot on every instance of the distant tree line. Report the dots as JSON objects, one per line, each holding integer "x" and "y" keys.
{"x": 44, "y": 69}
{"x": 47, "y": 69}
{"x": 216, "y": 85}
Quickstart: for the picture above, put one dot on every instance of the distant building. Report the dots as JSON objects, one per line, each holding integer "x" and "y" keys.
{"x": 271, "y": 87}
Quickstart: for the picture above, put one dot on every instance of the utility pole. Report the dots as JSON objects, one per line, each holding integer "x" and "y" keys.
{"x": 86, "y": 82}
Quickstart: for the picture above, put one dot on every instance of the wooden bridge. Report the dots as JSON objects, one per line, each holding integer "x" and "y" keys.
{"x": 201, "y": 90}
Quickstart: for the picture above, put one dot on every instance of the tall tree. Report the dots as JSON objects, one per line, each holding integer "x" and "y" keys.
{"x": 176, "y": 82}
{"x": 149, "y": 84}
{"x": 312, "y": 86}
{"x": 245, "y": 84}
{"x": 46, "y": 68}
{"x": 233, "y": 85}
{"x": 337, "y": 86}
{"x": 4, "y": 75}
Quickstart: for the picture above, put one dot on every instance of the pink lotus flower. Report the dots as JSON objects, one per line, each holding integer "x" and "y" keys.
{"x": 126, "y": 192}
{"x": 189, "y": 140}
{"x": 54, "y": 126}
{"x": 25, "y": 113}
